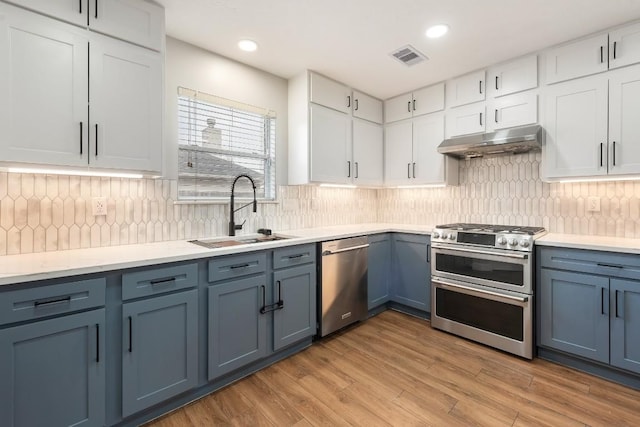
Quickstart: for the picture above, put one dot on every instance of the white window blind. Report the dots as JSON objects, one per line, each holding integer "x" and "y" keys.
{"x": 219, "y": 139}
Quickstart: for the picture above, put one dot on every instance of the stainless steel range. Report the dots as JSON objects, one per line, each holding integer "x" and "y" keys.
{"x": 482, "y": 283}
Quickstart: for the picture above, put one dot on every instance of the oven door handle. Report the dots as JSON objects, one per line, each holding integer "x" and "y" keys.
{"x": 475, "y": 292}
{"x": 481, "y": 252}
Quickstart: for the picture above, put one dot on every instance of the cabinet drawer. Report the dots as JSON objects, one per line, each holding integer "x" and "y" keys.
{"x": 33, "y": 303}
{"x": 159, "y": 280}
{"x": 587, "y": 261}
{"x": 294, "y": 255}
{"x": 236, "y": 266}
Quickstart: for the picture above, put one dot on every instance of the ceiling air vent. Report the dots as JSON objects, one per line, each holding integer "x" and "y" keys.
{"x": 409, "y": 55}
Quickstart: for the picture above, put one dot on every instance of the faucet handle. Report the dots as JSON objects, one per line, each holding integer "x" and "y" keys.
{"x": 239, "y": 226}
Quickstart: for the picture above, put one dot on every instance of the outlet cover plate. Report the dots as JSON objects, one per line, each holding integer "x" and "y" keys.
{"x": 593, "y": 204}
{"x": 99, "y": 206}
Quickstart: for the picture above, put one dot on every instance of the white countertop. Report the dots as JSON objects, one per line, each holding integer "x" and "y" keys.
{"x": 50, "y": 265}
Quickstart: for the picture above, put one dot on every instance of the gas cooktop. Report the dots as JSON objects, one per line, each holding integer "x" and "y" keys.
{"x": 509, "y": 237}
{"x": 491, "y": 228}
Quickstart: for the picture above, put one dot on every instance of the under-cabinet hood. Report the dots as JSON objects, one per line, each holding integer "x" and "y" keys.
{"x": 513, "y": 140}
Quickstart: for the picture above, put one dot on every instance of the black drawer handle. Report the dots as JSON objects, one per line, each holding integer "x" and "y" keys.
{"x": 295, "y": 256}
{"x": 233, "y": 267}
{"x": 601, "y": 264}
{"x": 52, "y": 302}
{"x": 159, "y": 281}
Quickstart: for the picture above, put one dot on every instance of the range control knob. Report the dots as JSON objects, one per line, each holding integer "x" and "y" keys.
{"x": 452, "y": 236}
{"x": 524, "y": 243}
{"x": 435, "y": 235}
{"x": 513, "y": 242}
{"x": 502, "y": 241}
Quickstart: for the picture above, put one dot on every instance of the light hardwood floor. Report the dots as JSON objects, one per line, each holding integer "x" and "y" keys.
{"x": 395, "y": 370}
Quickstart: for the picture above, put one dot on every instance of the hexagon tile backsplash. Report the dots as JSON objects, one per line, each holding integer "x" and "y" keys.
{"x": 48, "y": 212}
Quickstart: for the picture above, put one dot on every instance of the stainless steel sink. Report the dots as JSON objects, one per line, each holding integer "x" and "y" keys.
{"x": 223, "y": 243}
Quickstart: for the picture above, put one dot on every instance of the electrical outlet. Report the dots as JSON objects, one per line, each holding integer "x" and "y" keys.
{"x": 593, "y": 204}
{"x": 99, "y": 206}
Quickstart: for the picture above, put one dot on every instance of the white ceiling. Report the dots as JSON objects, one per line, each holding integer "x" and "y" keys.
{"x": 350, "y": 40}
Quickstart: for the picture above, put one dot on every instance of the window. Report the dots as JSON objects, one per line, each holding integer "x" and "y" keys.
{"x": 219, "y": 139}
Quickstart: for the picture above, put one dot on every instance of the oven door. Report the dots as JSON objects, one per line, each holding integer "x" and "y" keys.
{"x": 499, "y": 319}
{"x": 509, "y": 270}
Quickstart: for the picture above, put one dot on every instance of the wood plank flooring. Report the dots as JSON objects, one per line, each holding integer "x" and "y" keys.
{"x": 394, "y": 370}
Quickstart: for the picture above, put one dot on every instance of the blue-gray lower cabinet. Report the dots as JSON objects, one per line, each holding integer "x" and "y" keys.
{"x": 294, "y": 318}
{"x": 237, "y": 328}
{"x": 160, "y": 349}
{"x": 625, "y": 324}
{"x": 574, "y": 313}
{"x": 378, "y": 275}
{"x": 411, "y": 278}
{"x": 53, "y": 372}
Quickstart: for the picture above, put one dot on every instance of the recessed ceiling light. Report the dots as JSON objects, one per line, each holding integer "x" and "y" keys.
{"x": 437, "y": 31}
{"x": 248, "y": 45}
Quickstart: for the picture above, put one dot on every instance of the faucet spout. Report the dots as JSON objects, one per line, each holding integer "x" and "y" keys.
{"x": 232, "y": 224}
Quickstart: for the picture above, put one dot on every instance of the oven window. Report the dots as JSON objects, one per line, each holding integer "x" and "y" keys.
{"x": 496, "y": 271}
{"x": 493, "y": 316}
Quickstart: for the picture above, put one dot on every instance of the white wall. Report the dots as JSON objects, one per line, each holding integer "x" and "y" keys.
{"x": 195, "y": 68}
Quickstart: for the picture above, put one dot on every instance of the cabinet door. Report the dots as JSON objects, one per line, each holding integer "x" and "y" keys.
{"x": 624, "y": 126}
{"x": 398, "y": 157}
{"x": 237, "y": 329}
{"x": 624, "y": 46}
{"x": 159, "y": 349}
{"x": 398, "y": 108}
{"x": 574, "y": 313}
{"x": 296, "y": 320}
{"x": 53, "y": 372}
{"x": 428, "y": 100}
{"x": 625, "y": 324}
{"x": 74, "y": 11}
{"x": 43, "y": 89}
{"x": 367, "y": 107}
{"x": 367, "y": 153}
{"x": 330, "y": 93}
{"x": 379, "y": 258}
{"x": 514, "y": 76}
{"x": 466, "y": 120}
{"x": 126, "y": 106}
{"x": 136, "y": 21}
{"x": 330, "y": 146}
{"x": 428, "y": 133}
{"x": 576, "y": 124}
{"x": 513, "y": 110}
{"x": 411, "y": 280}
{"x": 582, "y": 58}
{"x": 466, "y": 89}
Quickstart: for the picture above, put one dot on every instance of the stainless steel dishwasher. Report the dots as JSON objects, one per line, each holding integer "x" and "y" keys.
{"x": 343, "y": 283}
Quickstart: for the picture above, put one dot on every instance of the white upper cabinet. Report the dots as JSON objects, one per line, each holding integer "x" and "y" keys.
{"x": 43, "y": 89}
{"x": 398, "y": 153}
{"x": 73, "y": 11}
{"x": 368, "y": 150}
{"x": 126, "y": 106}
{"x": 577, "y": 59}
{"x": 624, "y": 125}
{"x": 514, "y": 76}
{"x": 330, "y": 141}
{"x": 576, "y": 125}
{"x": 512, "y": 110}
{"x": 466, "y": 119}
{"x": 422, "y": 101}
{"x": 466, "y": 89}
{"x": 367, "y": 107}
{"x": 330, "y": 93}
{"x": 136, "y": 21}
{"x": 624, "y": 46}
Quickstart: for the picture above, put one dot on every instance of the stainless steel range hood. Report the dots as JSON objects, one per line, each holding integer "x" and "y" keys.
{"x": 513, "y": 140}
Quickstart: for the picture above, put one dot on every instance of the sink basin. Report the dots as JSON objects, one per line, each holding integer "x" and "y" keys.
{"x": 223, "y": 243}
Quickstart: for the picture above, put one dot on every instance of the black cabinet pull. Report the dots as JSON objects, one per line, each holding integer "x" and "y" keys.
{"x": 496, "y": 115}
{"x": 96, "y": 11}
{"x": 601, "y": 53}
{"x": 357, "y": 172}
{"x": 233, "y": 267}
{"x": 617, "y": 303}
{"x": 480, "y": 86}
{"x": 496, "y": 82}
{"x": 295, "y": 256}
{"x": 52, "y": 301}
{"x": 414, "y": 105}
{"x": 159, "y": 281}
{"x": 348, "y": 101}
{"x": 348, "y": 168}
{"x": 480, "y": 119}
{"x": 96, "y": 140}
{"x": 97, "y": 343}
{"x": 130, "y": 334}
{"x": 428, "y": 253}
{"x": 601, "y": 300}
{"x": 81, "y": 132}
{"x": 414, "y": 170}
{"x": 614, "y": 153}
{"x": 409, "y": 106}
{"x": 615, "y": 45}
{"x": 280, "y": 303}
{"x": 80, "y": 6}
{"x": 602, "y": 264}
{"x": 409, "y": 170}
{"x": 601, "y": 160}
{"x": 356, "y": 102}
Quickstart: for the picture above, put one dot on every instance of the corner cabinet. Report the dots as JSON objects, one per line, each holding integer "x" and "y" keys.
{"x": 379, "y": 272}
{"x": 589, "y": 305}
{"x": 411, "y": 271}
{"x": 75, "y": 98}
{"x": 335, "y": 134}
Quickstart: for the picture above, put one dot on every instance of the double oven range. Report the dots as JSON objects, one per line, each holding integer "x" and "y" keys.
{"x": 482, "y": 284}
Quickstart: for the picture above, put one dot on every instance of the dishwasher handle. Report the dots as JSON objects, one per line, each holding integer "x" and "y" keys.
{"x": 350, "y": 248}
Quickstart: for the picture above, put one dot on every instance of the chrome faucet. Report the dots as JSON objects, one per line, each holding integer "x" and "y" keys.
{"x": 232, "y": 225}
